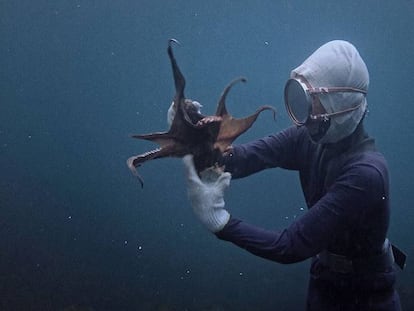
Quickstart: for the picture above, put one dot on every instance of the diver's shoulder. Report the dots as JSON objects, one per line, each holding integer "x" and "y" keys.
{"x": 370, "y": 161}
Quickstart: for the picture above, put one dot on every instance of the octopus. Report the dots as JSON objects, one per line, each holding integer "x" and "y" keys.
{"x": 190, "y": 132}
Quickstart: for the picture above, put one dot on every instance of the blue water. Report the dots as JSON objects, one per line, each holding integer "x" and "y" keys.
{"x": 78, "y": 77}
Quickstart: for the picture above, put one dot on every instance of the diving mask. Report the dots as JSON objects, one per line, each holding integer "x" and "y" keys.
{"x": 299, "y": 98}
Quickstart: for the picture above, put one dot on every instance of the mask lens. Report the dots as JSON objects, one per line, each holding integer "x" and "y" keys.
{"x": 298, "y": 102}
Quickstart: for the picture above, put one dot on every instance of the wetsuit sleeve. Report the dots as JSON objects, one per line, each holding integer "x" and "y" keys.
{"x": 278, "y": 150}
{"x": 339, "y": 209}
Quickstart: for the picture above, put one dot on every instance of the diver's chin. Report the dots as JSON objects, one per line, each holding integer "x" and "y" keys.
{"x": 317, "y": 130}
{"x": 315, "y": 138}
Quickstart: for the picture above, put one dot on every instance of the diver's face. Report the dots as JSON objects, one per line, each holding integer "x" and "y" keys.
{"x": 316, "y": 128}
{"x": 317, "y": 107}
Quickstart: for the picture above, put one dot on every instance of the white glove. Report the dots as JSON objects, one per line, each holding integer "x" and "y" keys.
{"x": 207, "y": 195}
{"x": 171, "y": 114}
{"x": 173, "y": 110}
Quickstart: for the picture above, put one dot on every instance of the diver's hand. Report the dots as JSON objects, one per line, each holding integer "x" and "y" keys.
{"x": 207, "y": 195}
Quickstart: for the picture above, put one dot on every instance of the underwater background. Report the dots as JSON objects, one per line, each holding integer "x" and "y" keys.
{"x": 78, "y": 77}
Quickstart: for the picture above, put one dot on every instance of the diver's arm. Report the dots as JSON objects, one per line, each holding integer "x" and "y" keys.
{"x": 278, "y": 150}
{"x": 314, "y": 231}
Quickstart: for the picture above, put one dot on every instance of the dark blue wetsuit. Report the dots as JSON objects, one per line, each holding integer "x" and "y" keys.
{"x": 346, "y": 189}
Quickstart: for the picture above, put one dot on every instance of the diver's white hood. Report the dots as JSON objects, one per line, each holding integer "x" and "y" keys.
{"x": 337, "y": 64}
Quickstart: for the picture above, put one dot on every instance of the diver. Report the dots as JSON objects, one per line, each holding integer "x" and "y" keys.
{"x": 344, "y": 180}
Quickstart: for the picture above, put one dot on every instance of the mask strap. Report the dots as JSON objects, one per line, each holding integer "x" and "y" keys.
{"x": 326, "y": 116}
{"x": 337, "y": 89}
